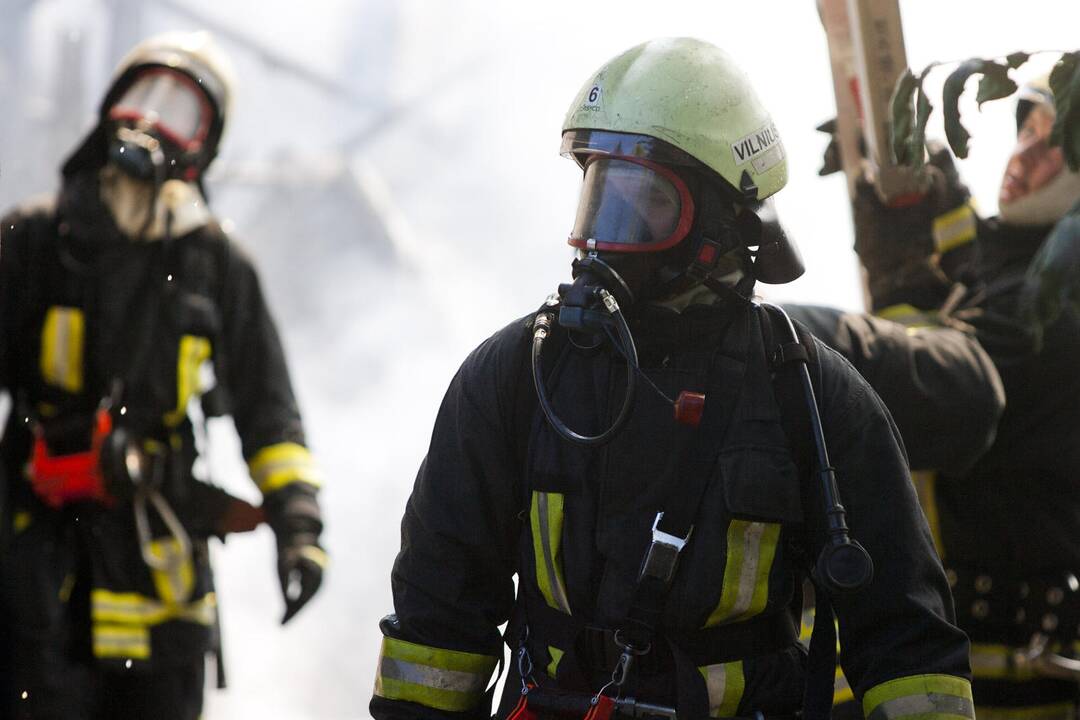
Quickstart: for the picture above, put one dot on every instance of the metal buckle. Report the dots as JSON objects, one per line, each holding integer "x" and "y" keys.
{"x": 659, "y": 536}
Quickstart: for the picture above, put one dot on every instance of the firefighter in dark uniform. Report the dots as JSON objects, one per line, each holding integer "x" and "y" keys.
{"x": 1006, "y": 523}
{"x": 122, "y": 302}
{"x": 659, "y": 561}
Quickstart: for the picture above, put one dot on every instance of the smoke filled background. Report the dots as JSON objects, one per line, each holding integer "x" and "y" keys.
{"x": 392, "y": 165}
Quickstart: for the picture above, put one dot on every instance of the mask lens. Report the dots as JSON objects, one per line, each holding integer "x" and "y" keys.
{"x": 630, "y": 205}
{"x": 170, "y": 102}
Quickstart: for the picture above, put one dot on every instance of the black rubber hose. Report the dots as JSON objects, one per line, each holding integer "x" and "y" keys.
{"x": 542, "y": 327}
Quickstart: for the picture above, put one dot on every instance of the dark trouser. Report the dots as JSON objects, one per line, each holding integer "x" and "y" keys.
{"x": 46, "y": 581}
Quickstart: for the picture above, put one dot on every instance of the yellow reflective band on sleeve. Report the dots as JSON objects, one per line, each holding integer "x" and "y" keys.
{"x": 920, "y": 697}
{"x": 276, "y": 466}
{"x": 546, "y": 519}
{"x": 175, "y": 584}
{"x": 136, "y": 609}
{"x": 999, "y": 662}
{"x": 556, "y": 655}
{"x": 908, "y": 315}
{"x": 725, "y": 683}
{"x": 436, "y": 678}
{"x": 62, "y": 339}
{"x": 121, "y": 641}
{"x": 1054, "y": 711}
{"x": 194, "y": 351}
{"x": 751, "y": 547}
{"x": 954, "y": 228}
{"x": 925, "y": 482}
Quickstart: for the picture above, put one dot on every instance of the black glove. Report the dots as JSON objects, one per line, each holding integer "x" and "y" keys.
{"x": 1053, "y": 277}
{"x": 293, "y": 513}
{"x": 896, "y": 244}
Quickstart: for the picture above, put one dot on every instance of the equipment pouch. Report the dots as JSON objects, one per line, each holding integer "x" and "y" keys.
{"x": 761, "y": 482}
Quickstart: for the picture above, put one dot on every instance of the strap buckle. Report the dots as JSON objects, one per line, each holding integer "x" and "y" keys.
{"x": 659, "y": 536}
{"x": 663, "y": 554}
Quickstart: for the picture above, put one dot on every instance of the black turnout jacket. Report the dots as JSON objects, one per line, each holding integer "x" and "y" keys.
{"x": 500, "y": 494}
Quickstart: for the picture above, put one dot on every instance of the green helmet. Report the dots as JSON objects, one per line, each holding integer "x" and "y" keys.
{"x": 691, "y": 95}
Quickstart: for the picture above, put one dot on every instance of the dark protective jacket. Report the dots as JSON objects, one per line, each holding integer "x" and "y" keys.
{"x": 500, "y": 493}
{"x": 1008, "y": 524}
{"x": 87, "y": 315}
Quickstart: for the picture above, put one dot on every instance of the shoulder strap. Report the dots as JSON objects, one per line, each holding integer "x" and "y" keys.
{"x": 784, "y": 357}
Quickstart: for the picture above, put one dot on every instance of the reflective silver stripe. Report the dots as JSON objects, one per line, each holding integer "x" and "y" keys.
{"x": 902, "y": 707}
{"x": 748, "y": 575}
{"x": 454, "y": 680}
{"x": 554, "y": 576}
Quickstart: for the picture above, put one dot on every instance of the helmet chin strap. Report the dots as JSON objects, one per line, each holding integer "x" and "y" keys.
{"x": 1046, "y": 205}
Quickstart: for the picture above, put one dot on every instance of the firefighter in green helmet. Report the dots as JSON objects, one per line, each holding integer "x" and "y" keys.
{"x": 661, "y": 461}
{"x": 123, "y": 305}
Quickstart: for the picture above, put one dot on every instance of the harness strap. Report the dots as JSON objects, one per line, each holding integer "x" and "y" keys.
{"x": 698, "y": 449}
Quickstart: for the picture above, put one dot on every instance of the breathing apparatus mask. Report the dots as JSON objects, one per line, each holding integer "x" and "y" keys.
{"x": 159, "y": 125}
{"x": 652, "y": 224}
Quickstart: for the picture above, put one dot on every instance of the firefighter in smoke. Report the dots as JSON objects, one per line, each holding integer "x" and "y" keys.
{"x": 122, "y": 302}
{"x": 660, "y": 558}
{"x": 1006, "y": 523}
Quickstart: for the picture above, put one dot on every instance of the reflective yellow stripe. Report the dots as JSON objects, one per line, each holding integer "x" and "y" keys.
{"x": 121, "y": 641}
{"x": 925, "y": 482}
{"x": 21, "y": 521}
{"x": 442, "y": 679}
{"x": 276, "y": 466}
{"x": 920, "y": 697}
{"x": 316, "y": 555}
{"x": 62, "y": 337}
{"x": 751, "y": 547}
{"x": 1055, "y": 711}
{"x": 546, "y": 518}
{"x": 998, "y": 662}
{"x": 908, "y": 315}
{"x": 194, "y": 351}
{"x": 556, "y": 656}
{"x": 954, "y": 228}
{"x": 842, "y": 691}
{"x": 725, "y": 683}
{"x": 135, "y": 609}
{"x": 176, "y": 584}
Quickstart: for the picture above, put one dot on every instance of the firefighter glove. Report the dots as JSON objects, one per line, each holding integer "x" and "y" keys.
{"x": 898, "y": 245}
{"x": 293, "y": 513}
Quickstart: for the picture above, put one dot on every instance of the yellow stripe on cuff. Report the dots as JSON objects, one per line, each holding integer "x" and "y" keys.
{"x": 449, "y": 680}
{"x": 920, "y": 697}
{"x": 276, "y": 466}
{"x": 954, "y": 228}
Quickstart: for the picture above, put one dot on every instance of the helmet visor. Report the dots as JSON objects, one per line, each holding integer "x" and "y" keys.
{"x": 629, "y": 204}
{"x": 170, "y": 102}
